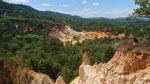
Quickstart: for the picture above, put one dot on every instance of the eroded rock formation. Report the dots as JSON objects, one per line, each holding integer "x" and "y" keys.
{"x": 126, "y": 67}
{"x": 19, "y": 75}
{"x": 86, "y": 60}
{"x": 25, "y": 76}
{"x": 66, "y": 33}
{"x": 60, "y": 80}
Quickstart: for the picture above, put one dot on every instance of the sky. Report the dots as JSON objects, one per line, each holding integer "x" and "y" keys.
{"x": 83, "y": 8}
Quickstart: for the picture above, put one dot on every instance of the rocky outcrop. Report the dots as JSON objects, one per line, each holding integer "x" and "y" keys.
{"x": 39, "y": 78}
{"x": 86, "y": 60}
{"x": 11, "y": 74}
{"x": 60, "y": 80}
{"x": 126, "y": 67}
{"x": 25, "y": 76}
{"x": 68, "y": 34}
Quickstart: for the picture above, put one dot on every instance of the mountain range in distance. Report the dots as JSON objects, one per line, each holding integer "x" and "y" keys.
{"x": 120, "y": 19}
{"x": 16, "y": 10}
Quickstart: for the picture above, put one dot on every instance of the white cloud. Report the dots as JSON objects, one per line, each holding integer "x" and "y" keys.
{"x": 87, "y": 13}
{"x": 25, "y": 1}
{"x": 95, "y": 4}
{"x": 41, "y": 9}
{"x": 64, "y": 5}
{"x": 86, "y": 9}
{"x": 45, "y": 4}
{"x": 84, "y": 2}
{"x": 66, "y": 0}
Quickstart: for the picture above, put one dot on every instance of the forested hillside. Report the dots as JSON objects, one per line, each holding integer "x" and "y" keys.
{"x": 37, "y": 51}
{"x": 24, "y": 40}
{"x": 27, "y": 11}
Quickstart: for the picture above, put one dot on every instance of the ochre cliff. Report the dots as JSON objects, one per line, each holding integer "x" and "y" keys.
{"x": 66, "y": 34}
{"x": 126, "y": 67}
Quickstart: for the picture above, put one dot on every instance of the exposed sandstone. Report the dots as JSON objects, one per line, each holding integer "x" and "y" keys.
{"x": 60, "y": 80}
{"x": 126, "y": 67}
{"x": 26, "y": 76}
{"x": 39, "y": 78}
{"x": 67, "y": 34}
{"x": 86, "y": 60}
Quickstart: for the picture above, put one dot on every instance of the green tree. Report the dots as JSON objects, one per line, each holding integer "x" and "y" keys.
{"x": 143, "y": 11}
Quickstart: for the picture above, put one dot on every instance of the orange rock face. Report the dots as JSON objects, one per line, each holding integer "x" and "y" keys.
{"x": 121, "y": 36}
{"x": 67, "y": 34}
{"x": 126, "y": 67}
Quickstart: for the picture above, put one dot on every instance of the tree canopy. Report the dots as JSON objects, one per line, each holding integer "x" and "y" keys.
{"x": 34, "y": 49}
{"x": 143, "y": 10}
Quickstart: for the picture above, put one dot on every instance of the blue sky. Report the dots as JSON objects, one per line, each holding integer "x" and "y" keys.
{"x": 83, "y": 8}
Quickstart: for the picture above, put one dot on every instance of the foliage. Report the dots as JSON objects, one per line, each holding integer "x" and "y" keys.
{"x": 36, "y": 50}
{"x": 45, "y": 54}
{"x": 143, "y": 11}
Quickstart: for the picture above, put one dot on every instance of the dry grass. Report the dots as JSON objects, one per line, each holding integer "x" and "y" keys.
{"x": 21, "y": 76}
{"x": 142, "y": 46}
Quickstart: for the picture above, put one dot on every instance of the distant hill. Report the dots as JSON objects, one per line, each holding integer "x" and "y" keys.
{"x": 27, "y": 11}
{"x": 18, "y": 10}
{"x": 120, "y": 19}
{"x": 100, "y": 18}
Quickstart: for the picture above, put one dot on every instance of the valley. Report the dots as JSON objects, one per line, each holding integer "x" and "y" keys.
{"x": 47, "y": 47}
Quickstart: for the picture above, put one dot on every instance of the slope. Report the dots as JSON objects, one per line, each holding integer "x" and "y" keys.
{"x": 27, "y": 11}
{"x": 126, "y": 67}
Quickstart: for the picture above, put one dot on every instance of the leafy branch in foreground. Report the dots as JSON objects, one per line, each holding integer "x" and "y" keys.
{"x": 143, "y": 11}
